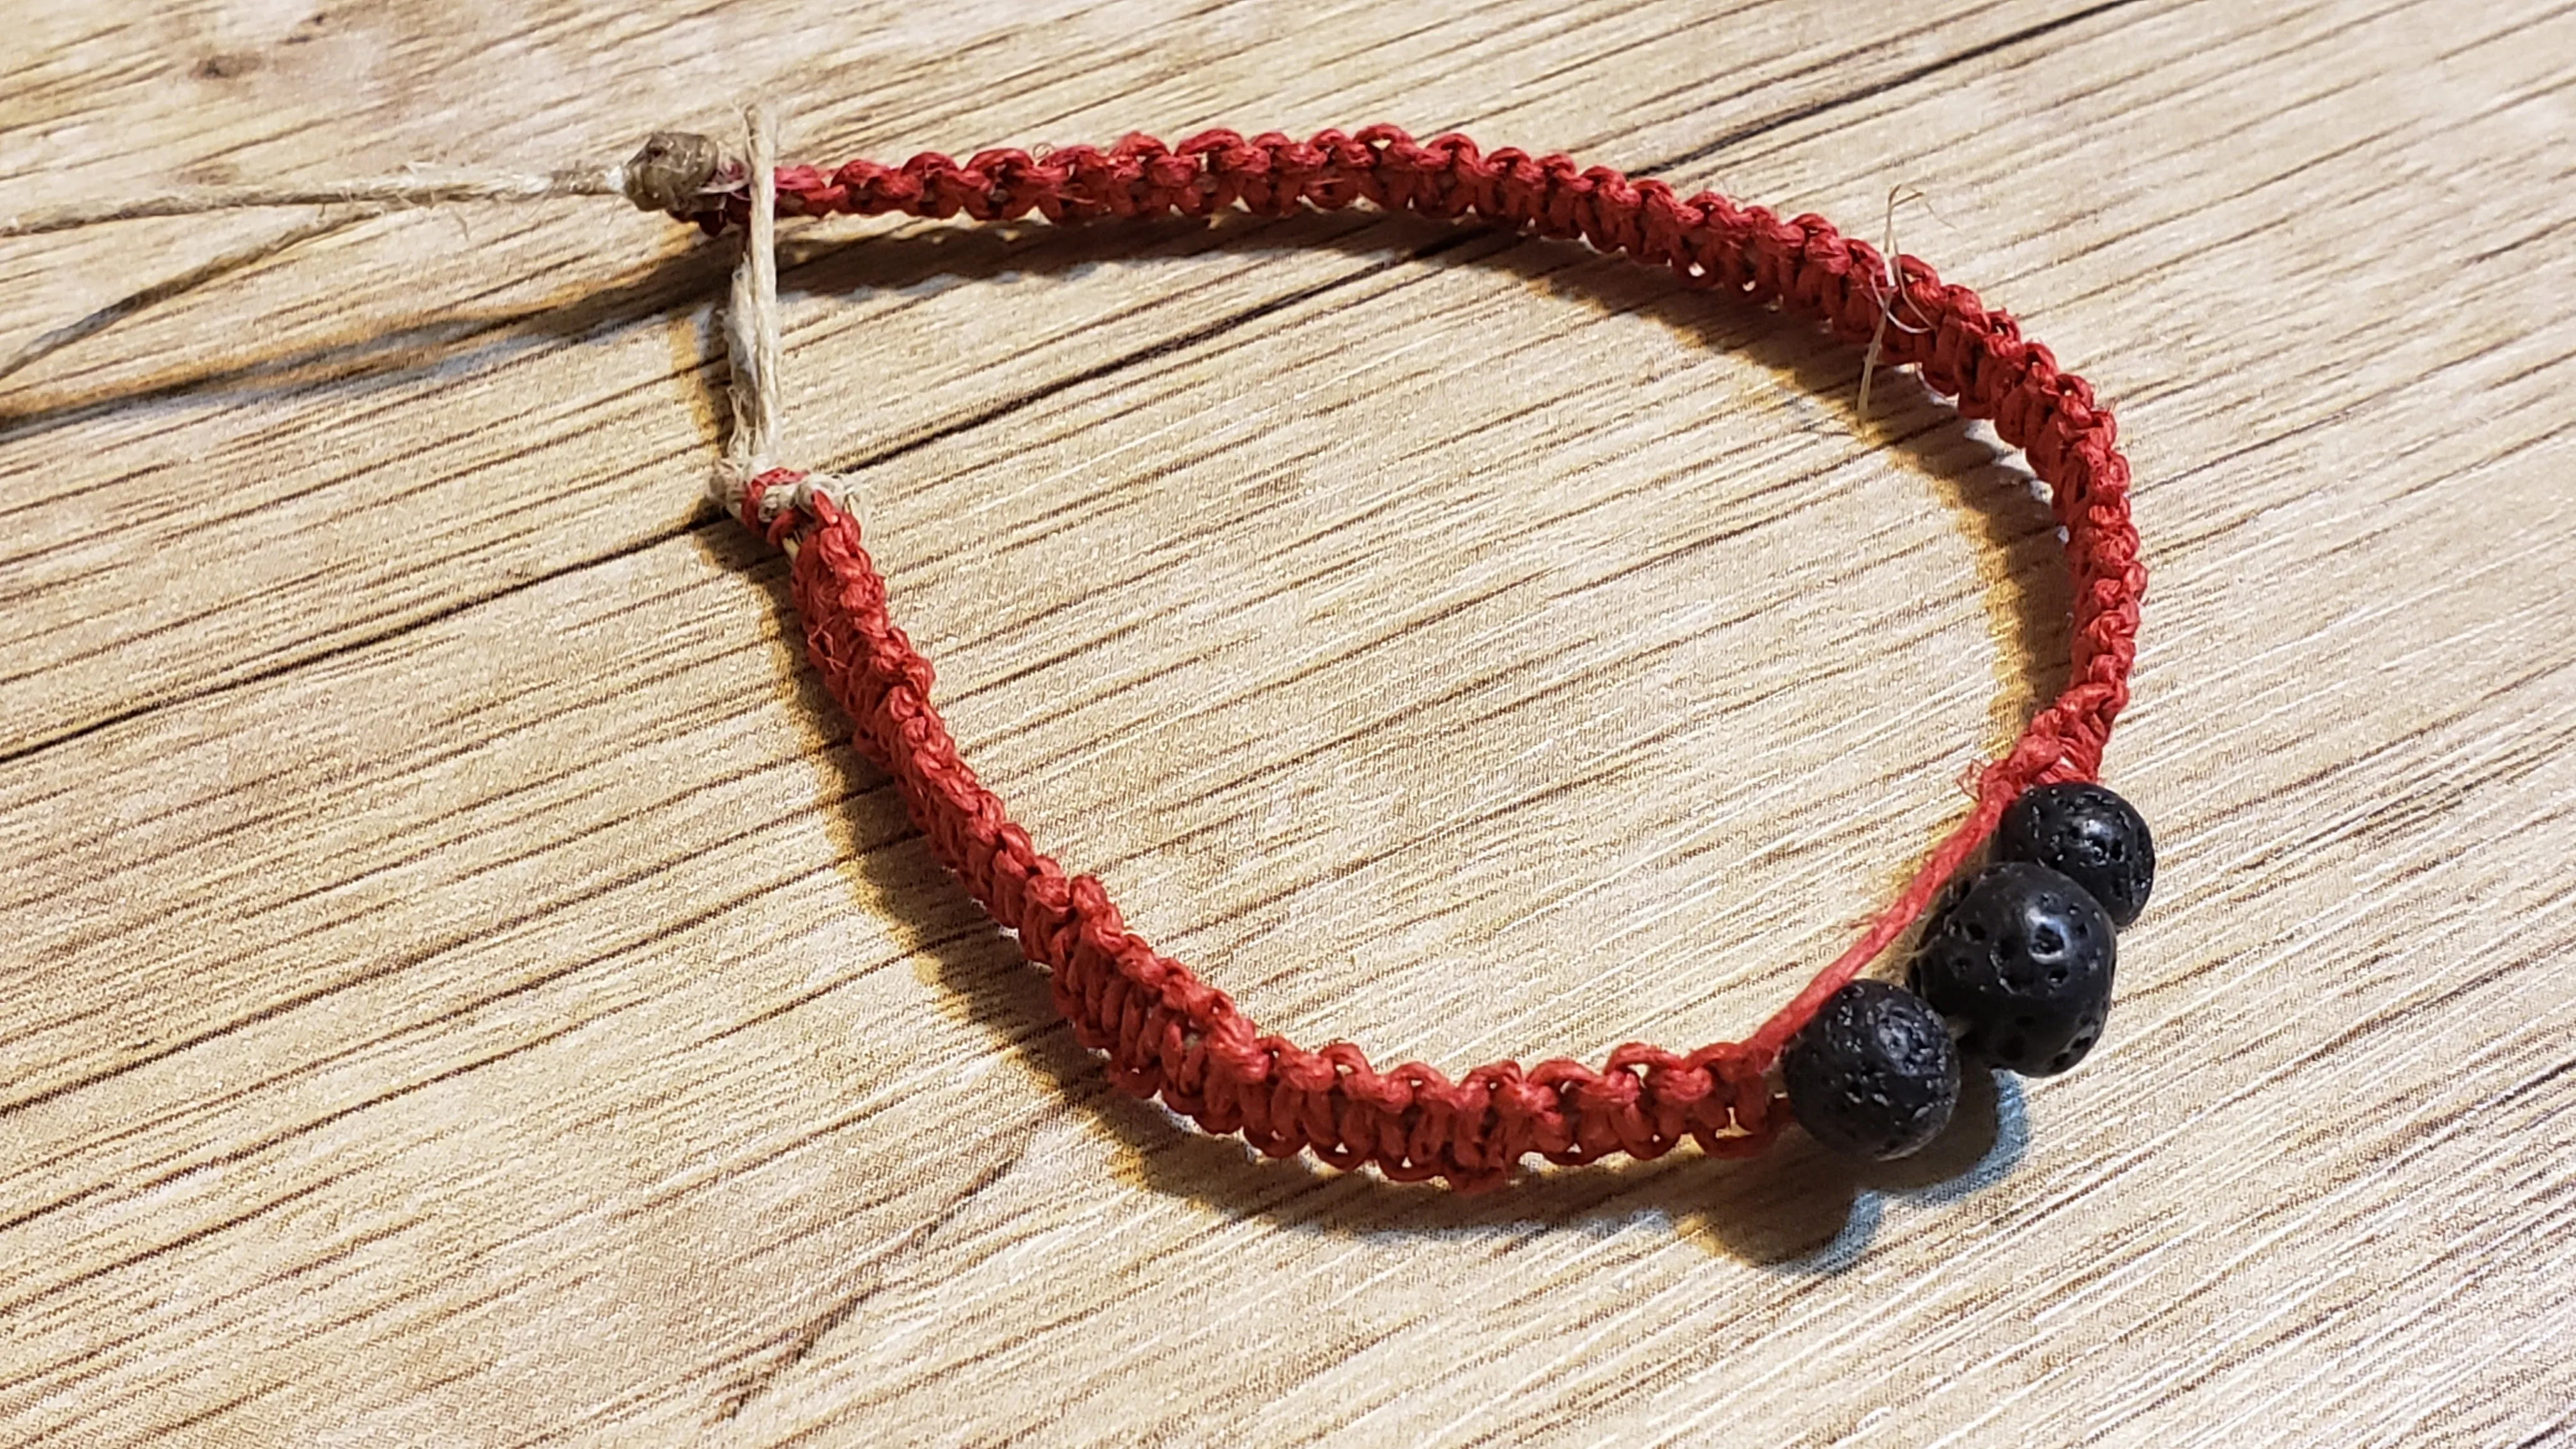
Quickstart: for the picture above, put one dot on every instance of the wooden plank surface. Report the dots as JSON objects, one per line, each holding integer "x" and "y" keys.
{"x": 454, "y": 987}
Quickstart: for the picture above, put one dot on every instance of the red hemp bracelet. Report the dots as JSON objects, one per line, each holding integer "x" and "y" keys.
{"x": 2015, "y": 970}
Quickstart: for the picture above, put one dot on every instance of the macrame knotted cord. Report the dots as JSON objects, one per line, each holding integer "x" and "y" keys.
{"x": 1165, "y": 1032}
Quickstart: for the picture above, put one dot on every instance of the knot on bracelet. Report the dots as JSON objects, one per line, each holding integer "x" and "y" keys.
{"x": 777, "y": 502}
{"x": 680, "y": 172}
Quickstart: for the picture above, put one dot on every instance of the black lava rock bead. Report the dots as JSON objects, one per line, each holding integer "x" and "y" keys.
{"x": 1874, "y": 1074}
{"x": 2087, "y": 834}
{"x": 2024, "y": 957}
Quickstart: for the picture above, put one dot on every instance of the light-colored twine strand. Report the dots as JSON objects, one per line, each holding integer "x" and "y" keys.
{"x": 337, "y": 219}
{"x": 752, "y": 346}
{"x": 751, "y": 321}
{"x": 674, "y": 172}
{"x": 417, "y": 188}
{"x": 1891, "y": 292}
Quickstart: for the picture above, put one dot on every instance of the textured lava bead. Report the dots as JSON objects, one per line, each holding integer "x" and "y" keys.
{"x": 2024, "y": 957}
{"x": 2087, "y": 834}
{"x": 1874, "y": 1074}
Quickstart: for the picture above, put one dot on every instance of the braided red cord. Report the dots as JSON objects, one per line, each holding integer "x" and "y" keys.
{"x": 1166, "y": 1032}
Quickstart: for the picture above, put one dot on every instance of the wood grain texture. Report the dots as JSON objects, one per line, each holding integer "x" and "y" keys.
{"x": 455, "y": 988}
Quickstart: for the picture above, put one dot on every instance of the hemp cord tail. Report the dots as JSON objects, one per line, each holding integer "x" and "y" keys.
{"x": 672, "y": 173}
{"x": 418, "y": 188}
{"x": 45, "y": 345}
